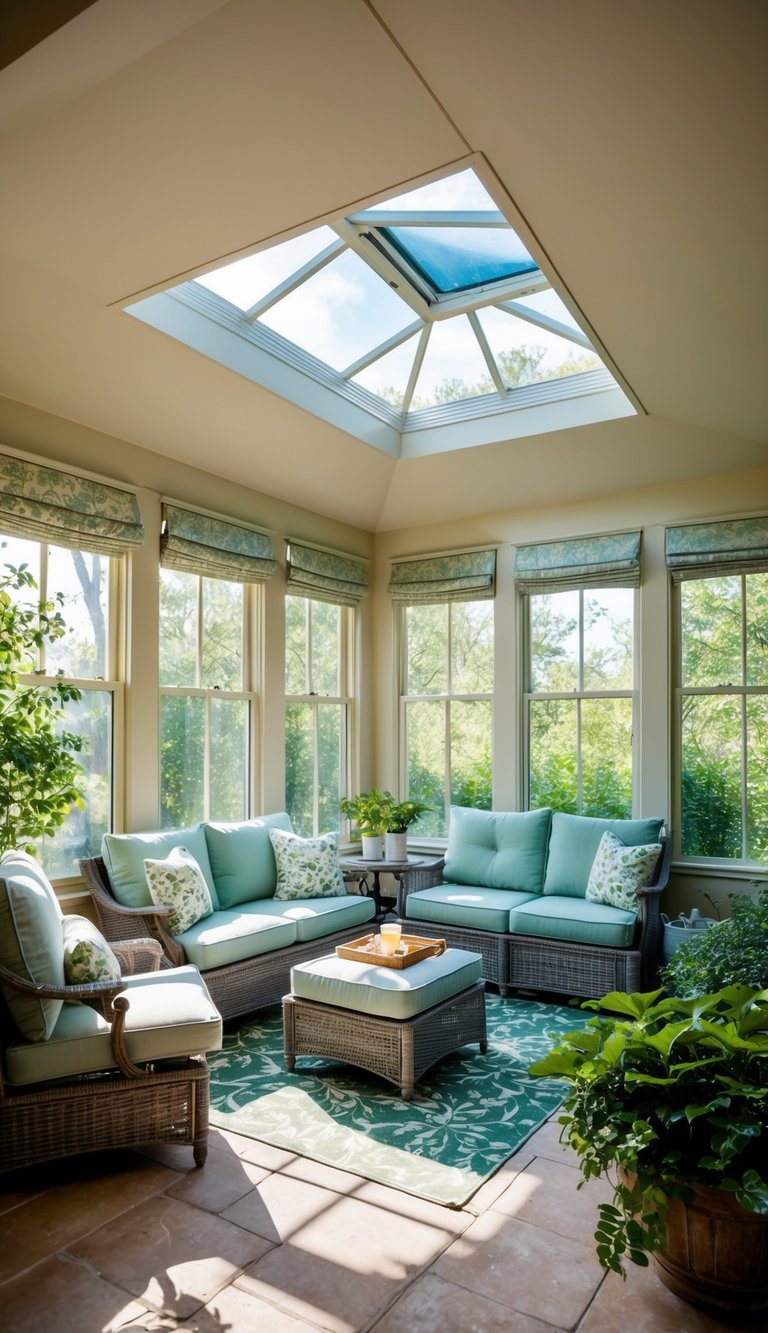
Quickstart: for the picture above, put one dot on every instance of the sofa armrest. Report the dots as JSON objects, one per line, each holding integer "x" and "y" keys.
{"x": 140, "y": 955}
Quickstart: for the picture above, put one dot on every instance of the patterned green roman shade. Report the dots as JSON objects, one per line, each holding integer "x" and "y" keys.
{"x": 584, "y": 562}
{"x": 218, "y": 548}
{"x": 46, "y": 504}
{"x": 462, "y": 576}
{"x": 326, "y": 576}
{"x": 704, "y": 550}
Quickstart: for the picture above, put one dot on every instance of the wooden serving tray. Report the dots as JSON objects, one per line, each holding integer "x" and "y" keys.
{"x": 412, "y": 949}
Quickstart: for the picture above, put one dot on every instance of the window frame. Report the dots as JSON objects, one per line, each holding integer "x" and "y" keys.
{"x": 446, "y": 697}
{"x": 343, "y": 700}
{"x": 249, "y": 692}
{"x": 579, "y": 694}
{"x": 680, "y": 692}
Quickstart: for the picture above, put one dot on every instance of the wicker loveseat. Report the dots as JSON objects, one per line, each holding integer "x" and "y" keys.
{"x": 513, "y": 888}
{"x": 117, "y": 1061}
{"x": 246, "y": 947}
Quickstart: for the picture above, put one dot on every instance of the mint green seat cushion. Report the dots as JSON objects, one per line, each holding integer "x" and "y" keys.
{"x": 315, "y": 917}
{"x": 124, "y": 855}
{"x": 574, "y": 919}
{"x": 386, "y": 992}
{"x": 241, "y": 858}
{"x": 171, "y": 1016}
{"x": 465, "y": 905}
{"x": 574, "y": 843}
{"x": 31, "y": 944}
{"x": 230, "y": 936}
{"x": 498, "y": 851}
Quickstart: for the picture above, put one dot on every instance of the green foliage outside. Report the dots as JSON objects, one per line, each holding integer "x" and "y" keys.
{"x": 728, "y": 952}
{"x": 518, "y": 366}
{"x": 673, "y": 1092}
{"x": 40, "y": 778}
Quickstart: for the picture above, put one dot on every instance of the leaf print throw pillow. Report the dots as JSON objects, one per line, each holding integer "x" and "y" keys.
{"x": 306, "y": 867}
{"x": 87, "y": 956}
{"x": 619, "y": 871}
{"x": 178, "y": 882}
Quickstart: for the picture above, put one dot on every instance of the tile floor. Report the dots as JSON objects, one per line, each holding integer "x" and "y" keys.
{"x": 263, "y": 1241}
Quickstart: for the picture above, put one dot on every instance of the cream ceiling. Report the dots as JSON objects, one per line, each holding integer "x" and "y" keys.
{"x": 146, "y": 139}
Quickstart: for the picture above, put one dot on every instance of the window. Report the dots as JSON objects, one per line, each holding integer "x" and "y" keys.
{"x": 206, "y": 708}
{"x": 579, "y": 701}
{"x": 447, "y": 708}
{"x": 317, "y": 712}
{"x": 86, "y": 657}
{"x": 722, "y": 716}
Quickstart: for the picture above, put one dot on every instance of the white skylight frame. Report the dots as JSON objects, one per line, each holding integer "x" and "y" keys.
{"x": 240, "y": 338}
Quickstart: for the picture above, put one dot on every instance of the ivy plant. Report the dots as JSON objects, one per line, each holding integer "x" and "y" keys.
{"x": 730, "y": 951}
{"x": 666, "y": 1094}
{"x": 40, "y": 778}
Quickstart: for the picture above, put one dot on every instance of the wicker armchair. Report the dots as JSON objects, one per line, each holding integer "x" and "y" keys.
{"x": 126, "y": 1103}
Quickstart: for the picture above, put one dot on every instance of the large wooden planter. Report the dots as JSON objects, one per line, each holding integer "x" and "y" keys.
{"x": 716, "y": 1253}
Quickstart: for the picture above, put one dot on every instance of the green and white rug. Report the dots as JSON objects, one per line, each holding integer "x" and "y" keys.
{"x": 468, "y": 1115}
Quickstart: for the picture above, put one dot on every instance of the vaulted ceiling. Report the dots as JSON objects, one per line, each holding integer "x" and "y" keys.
{"x": 144, "y": 140}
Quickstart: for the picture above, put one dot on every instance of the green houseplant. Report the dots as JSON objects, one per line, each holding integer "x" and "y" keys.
{"x": 370, "y": 813}
{"x": 668, "y": 1099}
{"x": 401, "y": 815}
{"x": 39, "y": 774}
{"x": 730, "y": 951}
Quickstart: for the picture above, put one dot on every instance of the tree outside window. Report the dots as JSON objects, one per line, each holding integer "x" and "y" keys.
{"x": 580, "y": 700}
{"x": 447, "y": 709}
{"x": 83, "y": 657}
{"x": 722, "y": 717}
{"x": 316, "y": 713}
{"x": 205, "y": 708}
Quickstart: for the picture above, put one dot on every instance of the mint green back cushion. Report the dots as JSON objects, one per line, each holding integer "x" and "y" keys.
{"x": 574, "y": 843}
{"x": 124, "y": 855}
{"x": 31, "y": 945}
{"x": 242, "y": 859}
{"x": 495, "y": 850}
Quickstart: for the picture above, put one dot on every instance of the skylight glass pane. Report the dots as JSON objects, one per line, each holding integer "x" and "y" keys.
{"x": 548, "y": 303}
{"x": 453, "y": 368}
{"x": 244, "y": 282}
{"x": 461, "y": 191}
{"x": 388, "y": 377}
{"x": 454, "y": 259}
{"x": 340, "y": 313}
{"x": 528, "y": 355}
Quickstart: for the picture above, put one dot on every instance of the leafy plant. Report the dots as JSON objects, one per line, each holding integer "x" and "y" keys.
{"x": 40, "y": 779}
{"x": 369, "y": 811}
{"x": 672, "y": 1093}
{"x": 729, "y": 952}
{"x": 404, "y": 813}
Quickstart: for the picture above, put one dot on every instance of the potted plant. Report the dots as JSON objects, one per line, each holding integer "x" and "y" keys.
{"x": 401, "y": 815}
{"x": 370, "y": 813}
{"x": 733, "y": 950}
{"x": 40, "y": 778}
{"x": 668, "y": 1099}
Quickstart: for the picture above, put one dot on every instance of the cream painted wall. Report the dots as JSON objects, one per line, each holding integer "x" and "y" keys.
{"x": 651, "y": 509}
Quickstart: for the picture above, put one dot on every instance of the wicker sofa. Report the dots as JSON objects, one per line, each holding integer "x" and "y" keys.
{"x": 245, "y": 949}
{"x": 513, "y": 887}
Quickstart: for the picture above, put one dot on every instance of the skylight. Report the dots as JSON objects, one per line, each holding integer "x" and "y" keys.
{"x": 425, "y": 311}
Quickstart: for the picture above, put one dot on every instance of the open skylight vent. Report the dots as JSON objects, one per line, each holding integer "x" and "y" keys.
{"x": 424, "y": 314}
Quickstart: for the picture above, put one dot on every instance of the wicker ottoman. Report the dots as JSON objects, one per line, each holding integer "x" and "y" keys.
{"x": 393, "y": 1022}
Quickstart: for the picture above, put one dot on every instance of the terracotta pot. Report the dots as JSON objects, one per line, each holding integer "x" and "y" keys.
{"x": 716, "y": 1253}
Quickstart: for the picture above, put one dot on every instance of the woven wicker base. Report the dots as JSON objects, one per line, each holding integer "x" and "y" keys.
{"x": 169, "y": 1106}
{"x": 399, "y": 1051}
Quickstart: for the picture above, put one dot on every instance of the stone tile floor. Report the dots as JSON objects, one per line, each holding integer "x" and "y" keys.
{"x": 261, "y": 1240}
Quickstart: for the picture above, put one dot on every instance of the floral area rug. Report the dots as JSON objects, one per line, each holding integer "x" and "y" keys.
{"x": 469, "y": 1113}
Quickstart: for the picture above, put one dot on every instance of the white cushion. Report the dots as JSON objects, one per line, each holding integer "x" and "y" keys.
{"x": 306, "y": 867}
{"x": 619, "y": 871}
{"x": 87, "y": 956}
{"x": 178, "y": 882}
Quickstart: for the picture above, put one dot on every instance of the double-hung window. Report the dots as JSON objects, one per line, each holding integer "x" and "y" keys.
{"x": 209, "y": 614}
{"x": 720, "y": 573}
{"x": 579, "y": 698}
{"x": 446, "y": 625}
{"x": 324, "y": 589}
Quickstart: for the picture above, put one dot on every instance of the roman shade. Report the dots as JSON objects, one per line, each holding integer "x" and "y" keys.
{"x": 704, "y": 550}
{"x": 325, "y": 575}
{"x": 51, "y": 505}
{"x": 460, "y": 576}
{"x": 218, "y": 548}
{"x": 600, "y": 562}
